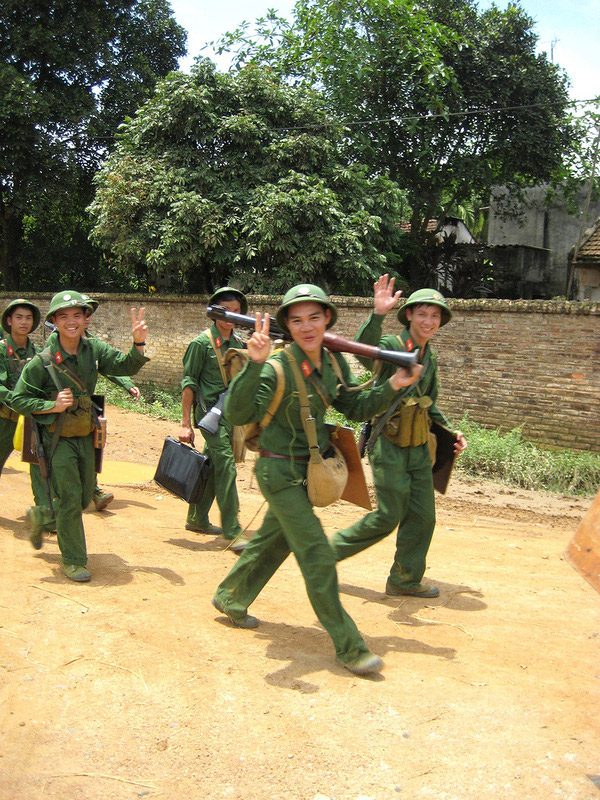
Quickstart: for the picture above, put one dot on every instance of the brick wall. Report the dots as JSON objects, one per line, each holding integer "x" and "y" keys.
{"x": 506, "y": 363}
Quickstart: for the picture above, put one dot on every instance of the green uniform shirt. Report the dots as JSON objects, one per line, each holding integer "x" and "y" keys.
{"x": 124, "y": 382}
{"x": 35, "y": 388}
{"x": 252, "y": 389}
{"x": 370, "y": 332}
{"x": 201, "y": 369}
{"x": 12, "y": 361}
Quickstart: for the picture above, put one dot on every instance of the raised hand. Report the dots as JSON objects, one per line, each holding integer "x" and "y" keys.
{"x": 139, "y": 329}
{"x": 259, "y": 344}
{"x": 384, "y": 295}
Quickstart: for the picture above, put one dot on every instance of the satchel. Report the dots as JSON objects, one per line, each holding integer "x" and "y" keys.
{"x": 327, "y": 474}
{"x": 182, "y": 470}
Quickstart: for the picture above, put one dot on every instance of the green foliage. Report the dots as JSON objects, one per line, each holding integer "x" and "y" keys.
{"x": 70, "y": 71}
{"x": 445, "y": 99}
{"x": 239, "y": 179}
{"x": 510, "y": 459}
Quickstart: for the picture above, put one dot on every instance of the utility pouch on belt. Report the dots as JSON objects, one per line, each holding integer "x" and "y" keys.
{"x": 77, "y": 419}
{"x": 326, "y": 474}
{"x": 409, "y": 426}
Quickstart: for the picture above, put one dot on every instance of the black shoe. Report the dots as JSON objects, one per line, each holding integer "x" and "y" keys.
{"x": 420, "y": 590}
{"x": 246, "y": 622}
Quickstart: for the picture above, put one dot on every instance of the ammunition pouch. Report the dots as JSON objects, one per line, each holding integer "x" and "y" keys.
{"x": 409, "y": 426}
{"x": 78, "y": 419}
{"x": 8, "y": 413}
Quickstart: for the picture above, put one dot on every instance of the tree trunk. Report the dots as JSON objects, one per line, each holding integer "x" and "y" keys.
{"x": 10, "y": 249}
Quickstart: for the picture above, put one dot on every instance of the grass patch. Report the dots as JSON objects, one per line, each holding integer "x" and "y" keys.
{"x": 509, "y": 458}
{"x": 504, "y": 457}
{"x": 155, "y": 401}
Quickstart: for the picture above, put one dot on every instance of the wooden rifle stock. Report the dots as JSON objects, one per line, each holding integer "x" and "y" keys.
{"x": 332, "y": 341}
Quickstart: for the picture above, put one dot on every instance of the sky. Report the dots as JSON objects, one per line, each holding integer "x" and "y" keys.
{"x": 568, "y": 32}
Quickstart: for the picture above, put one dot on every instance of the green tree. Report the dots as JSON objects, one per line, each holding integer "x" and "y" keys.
{"x": 70, "y": 72}
{"x": 238, "y": 177}
{"x": 446, "y": 100}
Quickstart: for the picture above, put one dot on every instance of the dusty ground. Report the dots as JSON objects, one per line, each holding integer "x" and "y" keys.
{"x": 132, "y": 685}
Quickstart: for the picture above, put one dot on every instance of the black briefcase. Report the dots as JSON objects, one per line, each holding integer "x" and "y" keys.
{"x": 182, "y": 470}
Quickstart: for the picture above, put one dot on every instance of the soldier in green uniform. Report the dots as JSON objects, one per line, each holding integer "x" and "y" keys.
{"x": 204, "y": 379}
{"x": 290, "y": 524}
{"x": 19, "y": 319}
{"x": 102, "y": 498}
{"x": 400, "y": 456}
{"x": 56, "y": 388}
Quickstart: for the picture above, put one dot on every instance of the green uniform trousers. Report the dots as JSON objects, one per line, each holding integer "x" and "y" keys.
{"x": 7, "y": 431}
{"x": 73, "y": 474}
{"x": 404, "y": 484}
{"x": 290, "y": 525}
{"x": 38, "y": 485}
{"x": 220, "y": 484}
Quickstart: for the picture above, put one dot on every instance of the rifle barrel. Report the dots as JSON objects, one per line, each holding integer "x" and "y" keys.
{"x": 332, "y": 341}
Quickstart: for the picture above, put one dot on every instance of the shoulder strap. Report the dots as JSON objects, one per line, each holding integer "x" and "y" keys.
{"x": 277, "y": 397}
{"x": 219, "y": 356}
{"x": 308, "y": 421}
{"x": 47, "y": 361}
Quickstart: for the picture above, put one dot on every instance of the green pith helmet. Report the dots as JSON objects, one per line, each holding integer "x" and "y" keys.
{"x": 304, "y": 293}
{"x": 214, "y": 298}
{"x": 430, "y": 297}
{"x": 67, "y": 299}
{"x": 20, "y": 302}
{"x": 93, "y": 304}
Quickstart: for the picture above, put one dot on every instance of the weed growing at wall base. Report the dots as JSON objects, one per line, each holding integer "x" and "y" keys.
{"x": 505, "y": 457}
{"x": 508, "y": 458}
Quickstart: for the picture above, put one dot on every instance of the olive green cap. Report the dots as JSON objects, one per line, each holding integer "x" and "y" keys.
{"x": 67, "y": 299}
{"x": 430, "y": 297}
{"x": 304, "y": 293}
{"x": 20, "y": 302}
{"x": 214, "y": 298}
{"x": 93, "y": 304}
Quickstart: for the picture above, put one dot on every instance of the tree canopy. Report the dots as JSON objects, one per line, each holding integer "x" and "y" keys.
{"x": 445, "y": 99}
{"x": 239, "y": 178}
{"x": 70, "y": 72}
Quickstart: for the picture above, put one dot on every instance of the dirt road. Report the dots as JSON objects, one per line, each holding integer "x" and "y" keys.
{"x": 133, "y": 686}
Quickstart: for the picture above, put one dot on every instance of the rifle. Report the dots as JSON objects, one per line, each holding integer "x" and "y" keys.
{"x": 332, "y": 341}
{"x": 42, "y": 461}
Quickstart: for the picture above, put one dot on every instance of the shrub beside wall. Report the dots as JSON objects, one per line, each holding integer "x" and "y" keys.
{"x": 505, "y": 363}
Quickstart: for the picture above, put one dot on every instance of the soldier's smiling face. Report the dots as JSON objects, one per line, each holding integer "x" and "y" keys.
{"x": 70, "y": 323}
{"x": 307, "y": 323}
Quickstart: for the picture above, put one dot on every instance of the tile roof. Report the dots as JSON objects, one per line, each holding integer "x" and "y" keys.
{"x": 590, "y": 247}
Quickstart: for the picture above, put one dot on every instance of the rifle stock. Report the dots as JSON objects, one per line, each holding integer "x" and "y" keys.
{"x": 332, "y": 341}
{"x": 42, "y": 461}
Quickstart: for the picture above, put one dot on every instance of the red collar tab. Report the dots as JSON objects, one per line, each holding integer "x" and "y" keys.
{"x": 58, "y": 357}
{"x": 10, "y": 350}
{"x": 410, "y": 345}
{"x": 306, "y": 368}
{"x": 218, "y": 341}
